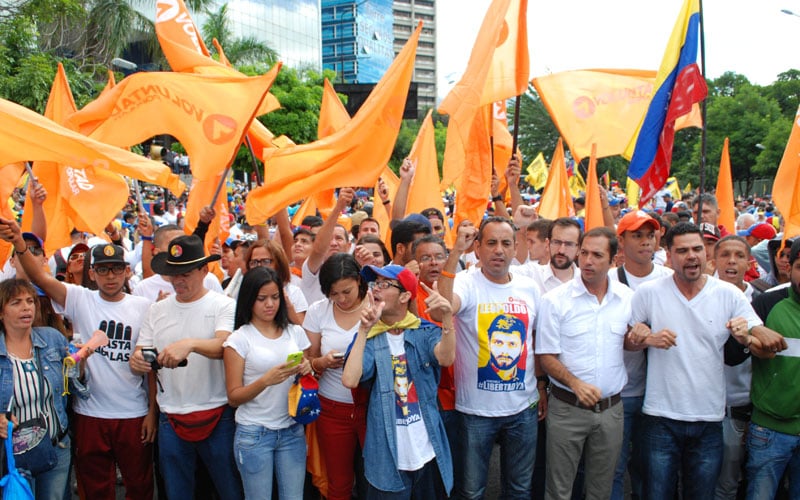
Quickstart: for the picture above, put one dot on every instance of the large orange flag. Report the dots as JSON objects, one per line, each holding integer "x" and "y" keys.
{"x": 73, "y": 192}
{"x": 724, "y": 192}
{"x": 186, "y": 53}
{"x": 424, "y": 191}
{"x": 556, "y": 201}
{"x": 353, "y": 156}
{"x": 786, "y": 189}
{"x": 594, "y": 207}
{"x": 602, "y": 107}
{"x": 502, "y": 142}
{"x": 498, "y": 69}
{"x": 208, "y": 115}
{"x": 333, "y": 116}
{"x": 474, "y": 187}
{"x": 30, "y": 136}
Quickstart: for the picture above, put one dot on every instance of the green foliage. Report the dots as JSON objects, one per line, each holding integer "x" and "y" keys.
{"x": 537, "y": 132}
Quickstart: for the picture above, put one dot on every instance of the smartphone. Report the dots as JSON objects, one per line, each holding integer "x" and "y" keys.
{"x": 338, "y": 355}
{"x": 294, "y": 359}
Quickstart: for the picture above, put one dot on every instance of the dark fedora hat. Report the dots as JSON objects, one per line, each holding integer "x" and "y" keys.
{"x": 184, "y": 254}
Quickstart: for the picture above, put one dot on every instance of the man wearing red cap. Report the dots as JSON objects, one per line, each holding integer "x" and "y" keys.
{"x": 637, "y": 239}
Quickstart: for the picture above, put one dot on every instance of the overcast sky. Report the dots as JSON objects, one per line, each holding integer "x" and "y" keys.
{"x": 753, "y": 38}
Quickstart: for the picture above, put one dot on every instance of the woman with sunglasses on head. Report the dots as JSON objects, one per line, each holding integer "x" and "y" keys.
{"x": 270, "y": 254}
{"x": 258, "y": 375}
{"x": 32, "y": 388}
{"x": 331, "y": 325}
{"x": 75, "y": 264}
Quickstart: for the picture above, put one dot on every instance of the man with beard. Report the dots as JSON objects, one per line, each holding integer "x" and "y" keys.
{"x": 506, "y": 337}
{"x": 562, "y": 241}
{"x": 688, "y": 317}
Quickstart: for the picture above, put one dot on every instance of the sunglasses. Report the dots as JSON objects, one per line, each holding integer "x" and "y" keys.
{"x": 76, "y": 256}
{"x": 36, "y": 251}
{"x": 115, "y": 269}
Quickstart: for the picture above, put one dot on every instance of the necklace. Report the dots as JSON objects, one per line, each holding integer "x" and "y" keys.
{"x": 348, "y": 311}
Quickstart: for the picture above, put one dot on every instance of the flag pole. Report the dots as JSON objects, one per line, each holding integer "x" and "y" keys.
{"x": 222, "y": 180}
{"x": 249, "y": 144}
{"x": 703, "y": 114}
{"x": 515, "y": 142}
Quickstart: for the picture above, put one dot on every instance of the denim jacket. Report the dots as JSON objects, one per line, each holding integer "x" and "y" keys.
{"x": 380, "y": 448}
{"x": 50, "y": 348}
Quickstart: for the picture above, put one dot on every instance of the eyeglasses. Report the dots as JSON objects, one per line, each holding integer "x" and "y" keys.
{"x": 383, "y": 285}
{"x": 568, "y": 244}
{"x": 116, "y": 269}
{"x": 426, "y": 259}
{"x": 76, "y": 256}
{"x": 37, "y": 251}
{"x": 254, "y": 263}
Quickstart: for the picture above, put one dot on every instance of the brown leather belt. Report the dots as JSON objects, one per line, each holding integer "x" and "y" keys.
{"x": 571, "y": 399}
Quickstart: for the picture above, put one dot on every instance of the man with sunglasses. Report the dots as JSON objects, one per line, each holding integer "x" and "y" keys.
{"x": 34, "y": 246}
{"x": 116, "y": 423}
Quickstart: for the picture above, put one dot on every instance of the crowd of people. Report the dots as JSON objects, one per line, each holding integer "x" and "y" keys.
{"x": 650, "y": 356}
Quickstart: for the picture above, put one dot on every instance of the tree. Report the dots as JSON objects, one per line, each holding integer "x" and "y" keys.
{"x": 786, "y": 90}
{"x": 247, "y": 50}
{"x": 537, "y": 132}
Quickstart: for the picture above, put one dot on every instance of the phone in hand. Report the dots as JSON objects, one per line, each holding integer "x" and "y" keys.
{"x": 294, "y": 359}
{"x": 338, "y": 355}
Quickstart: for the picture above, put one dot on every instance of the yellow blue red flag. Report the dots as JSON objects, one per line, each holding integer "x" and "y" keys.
{"x": 679, "y": 84}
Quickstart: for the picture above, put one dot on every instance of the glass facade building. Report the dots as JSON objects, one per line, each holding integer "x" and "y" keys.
{"x": 290, "y": 27}
{"x": 357, "y": 40}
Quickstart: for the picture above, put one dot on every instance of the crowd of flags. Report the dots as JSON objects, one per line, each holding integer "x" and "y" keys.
{"x": 211, "y": 109}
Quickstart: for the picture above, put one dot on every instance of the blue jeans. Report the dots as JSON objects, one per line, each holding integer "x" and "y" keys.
{"x": 631, "y": 439}
{"x": 770, "y": 454}
{"x": 420, "y": 484}
{"x": 517, "y": 438}
{"x": 52, "y": 484}
{"x": 260, "y": 452}
{"x": 178, "y": 457}
{"x": 670, "y": 446}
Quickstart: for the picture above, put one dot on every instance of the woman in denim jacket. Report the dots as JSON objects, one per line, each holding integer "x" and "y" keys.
{"x": 406, "y": 454}
{"x": 29, "y": 356}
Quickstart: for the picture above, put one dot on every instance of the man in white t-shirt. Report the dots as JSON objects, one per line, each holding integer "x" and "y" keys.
{"x": 117, "y": 423}
{"x": 490, "y": 405}
{"x": 187, "y": 330}
{"x": 637, "y": 240}
{"x": 690, "y": 316}
{"x": 156, "y": 287}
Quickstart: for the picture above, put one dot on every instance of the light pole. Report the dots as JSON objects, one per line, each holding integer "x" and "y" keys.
{"x": 789, "y": 13}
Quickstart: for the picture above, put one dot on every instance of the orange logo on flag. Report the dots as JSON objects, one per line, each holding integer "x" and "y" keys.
{"x": 219, "y": 129}
{"x": 583, "y": 107}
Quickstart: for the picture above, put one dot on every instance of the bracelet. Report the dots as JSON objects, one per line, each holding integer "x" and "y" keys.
{"x": 497, "y": 198}
{"x": 447, "y": 331}
{"x": 17, "y": 252}
{"x": 447, "y": 274}
{"x": 146, "y": 238}
{"x": 386, "y": 202}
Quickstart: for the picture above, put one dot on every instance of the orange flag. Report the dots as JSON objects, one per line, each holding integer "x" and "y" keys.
{"x": 556, "y": 200}
{"x": 353, "y": 156}
{"x": 200, "y": 195}
{"x": 30, "y": 136}
{"x": 724, "y": 192}
{"x": 594, "y": 208}
{"x": 112, "y": 82}
{"x": 186, "y": 53}
{"x": 424, "y": 190}
{"x": 333, "y": 116}
{"x": 9, "y": 175}
{"x": 73, "y": 192}
{"x": 208, "y": 115}
{"x": 786, "y": 189}
{"x": 473, "y": 189}
{"x": 498, "y": 69}
{"x": 502, "y": 143}
{"x": 379, "y": 211}
{"x": 602, "y": 107}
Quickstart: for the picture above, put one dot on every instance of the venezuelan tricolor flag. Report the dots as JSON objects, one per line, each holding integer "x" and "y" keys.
{"x": 679, "y": 84}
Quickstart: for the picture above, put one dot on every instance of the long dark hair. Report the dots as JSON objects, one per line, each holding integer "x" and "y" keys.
{"x": 341, "y": 266}
{"x": 252, "y": 282}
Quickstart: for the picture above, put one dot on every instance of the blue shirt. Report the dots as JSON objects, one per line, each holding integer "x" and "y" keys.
{"x": 380, "y": 447}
